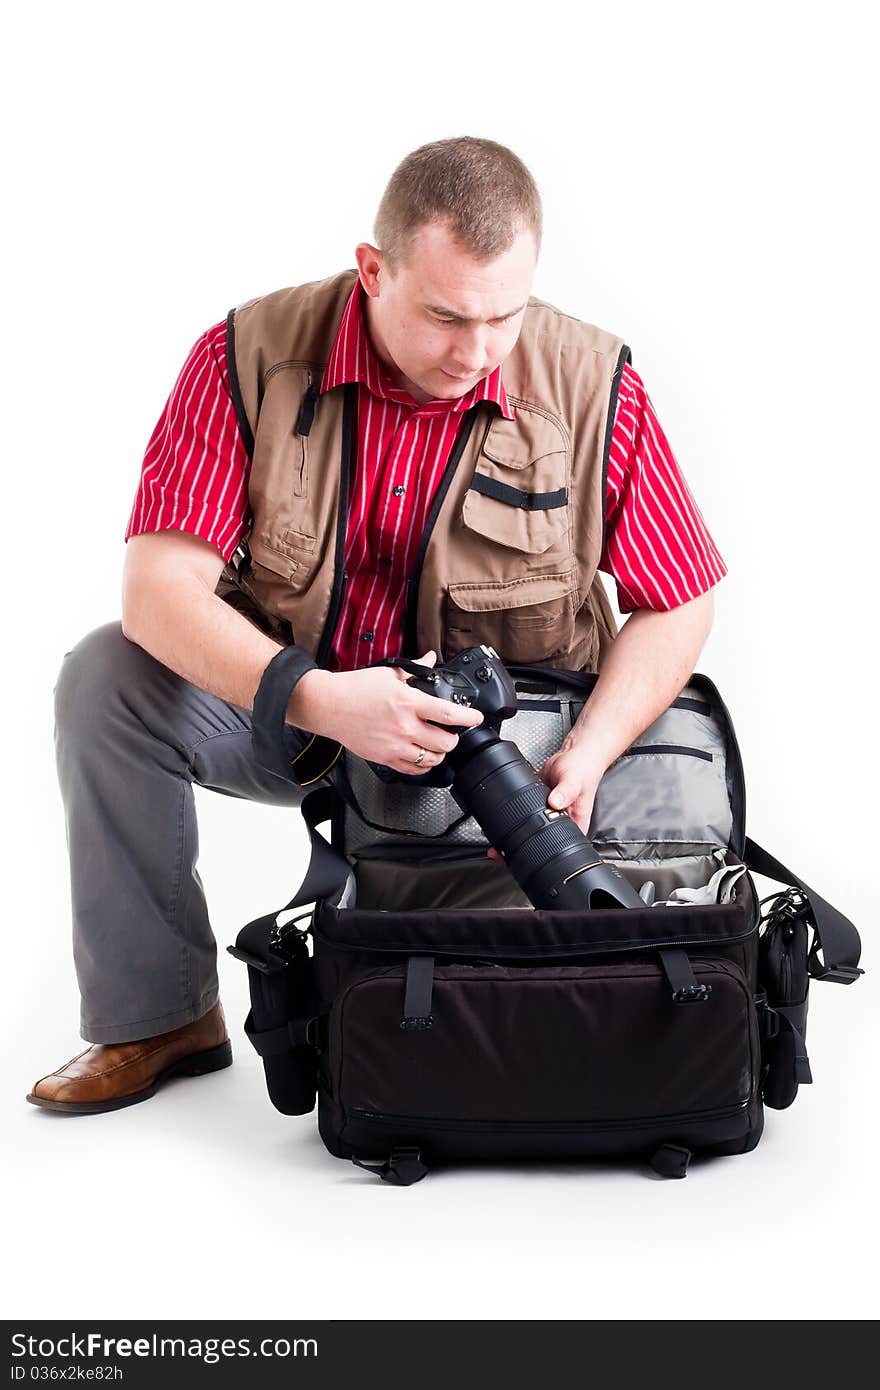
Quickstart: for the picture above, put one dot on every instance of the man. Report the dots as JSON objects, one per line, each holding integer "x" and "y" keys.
{"x": 413, "y": 457}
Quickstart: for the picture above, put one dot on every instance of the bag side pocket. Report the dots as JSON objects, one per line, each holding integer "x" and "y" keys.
{"x": 281, "y": 1025}
{"x": 783, "y": 975}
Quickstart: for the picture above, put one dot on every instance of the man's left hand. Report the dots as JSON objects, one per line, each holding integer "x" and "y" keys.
{"x": 573, "y": 781}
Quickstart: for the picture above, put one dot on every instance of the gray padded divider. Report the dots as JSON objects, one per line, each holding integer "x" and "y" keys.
{"x": 650, "y": 804}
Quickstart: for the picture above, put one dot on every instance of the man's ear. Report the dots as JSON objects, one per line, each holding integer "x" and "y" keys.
{"x": 371, "y": 267}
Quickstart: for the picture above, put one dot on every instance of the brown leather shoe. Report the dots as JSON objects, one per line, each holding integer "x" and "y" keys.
{"x": 109, "y": 1075}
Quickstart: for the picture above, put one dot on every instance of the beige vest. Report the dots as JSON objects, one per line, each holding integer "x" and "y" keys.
{"x": 515, "y": 533}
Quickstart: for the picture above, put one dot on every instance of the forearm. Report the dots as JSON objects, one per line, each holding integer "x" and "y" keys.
{"x": 188, "y": 628}
{"x": 646, "y": 667}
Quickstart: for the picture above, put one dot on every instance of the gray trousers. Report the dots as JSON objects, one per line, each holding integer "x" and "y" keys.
{"x": 131, "y": 738}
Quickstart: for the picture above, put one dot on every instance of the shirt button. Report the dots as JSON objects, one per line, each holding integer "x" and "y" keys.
{"x": 399, "y": 490}
{"x": 385, "y": 560}
{"x": 367, "y": 636}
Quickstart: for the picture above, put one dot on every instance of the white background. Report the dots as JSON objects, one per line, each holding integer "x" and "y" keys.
{"x": 707, "y": 176}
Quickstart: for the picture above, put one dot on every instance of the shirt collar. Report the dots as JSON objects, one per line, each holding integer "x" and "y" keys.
{"x": 353, "y": 358}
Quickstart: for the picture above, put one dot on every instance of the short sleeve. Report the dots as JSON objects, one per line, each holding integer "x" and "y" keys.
{"x": 194, "y": 473}
{"x": 657, "y": 546}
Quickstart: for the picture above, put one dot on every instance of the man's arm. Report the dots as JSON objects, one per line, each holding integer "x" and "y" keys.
{"x": 169, "y": 608}
{"x": 646, "y": 667}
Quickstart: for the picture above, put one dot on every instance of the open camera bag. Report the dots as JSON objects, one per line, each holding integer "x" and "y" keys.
{"x": 440, "y": 1017}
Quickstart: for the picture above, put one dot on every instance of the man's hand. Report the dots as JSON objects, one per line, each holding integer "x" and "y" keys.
{"x": 573, "y": 778}
{"x": 376, "y": 715}
{"x": 645, "y": 668}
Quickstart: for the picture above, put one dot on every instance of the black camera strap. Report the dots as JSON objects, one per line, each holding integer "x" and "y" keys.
{"x": 835, "y": 935}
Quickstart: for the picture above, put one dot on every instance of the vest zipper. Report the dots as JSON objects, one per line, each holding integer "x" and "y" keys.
{"x": 410, "y": 632}
{"x": 340, "y": 577}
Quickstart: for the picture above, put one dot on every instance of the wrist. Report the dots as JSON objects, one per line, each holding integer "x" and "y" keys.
{"x": 310, "y": 701}
{"x": 594, "y": 755}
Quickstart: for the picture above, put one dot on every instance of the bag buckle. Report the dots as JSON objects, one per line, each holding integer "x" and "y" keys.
{"x": 265, "y": 966}
{"x": 692, "y": 994}
{"x": 838, "y": 974}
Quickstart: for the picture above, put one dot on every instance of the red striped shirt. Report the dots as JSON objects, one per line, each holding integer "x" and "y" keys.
{"x": 194, "y": 478}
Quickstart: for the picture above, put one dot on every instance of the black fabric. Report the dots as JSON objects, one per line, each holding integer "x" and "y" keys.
{"x": 292, "y": 753}
{"x": 419, "y": 987}
{"x": 516, "y": 497}
{"x": 241, "y": 416}
{"x": 671, "y": 1161}
{"x": 307, "y": 411}
{"x": 685, "y": 987}
{"x": 623, "y": 357}
{"x": 340, "y": 577}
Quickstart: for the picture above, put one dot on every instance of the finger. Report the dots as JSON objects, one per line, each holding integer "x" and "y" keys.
{"x": 436, "y": 740}
{"x": 563, "y": 794}
{"x": 429, "y": 659}
{"x": 431, "y": 707}
{"x": 426, "y": 761}
{"x": 493, "y": 854}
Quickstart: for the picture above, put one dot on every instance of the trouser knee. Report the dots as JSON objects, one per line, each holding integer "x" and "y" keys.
{"x": 92, "y": 675}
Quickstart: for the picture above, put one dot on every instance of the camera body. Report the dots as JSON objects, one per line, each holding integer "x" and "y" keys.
{"x": 551, "y": 859}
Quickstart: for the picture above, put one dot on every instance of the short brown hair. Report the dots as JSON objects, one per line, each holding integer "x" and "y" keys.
{"x": 481, "y": 190}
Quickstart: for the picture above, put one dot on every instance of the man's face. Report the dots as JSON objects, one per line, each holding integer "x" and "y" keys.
{"x": 445, "y": 320}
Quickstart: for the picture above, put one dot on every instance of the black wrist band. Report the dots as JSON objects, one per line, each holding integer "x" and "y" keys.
{"x": 297, "y": 755}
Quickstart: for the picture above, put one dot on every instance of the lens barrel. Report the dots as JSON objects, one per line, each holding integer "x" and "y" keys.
{"x": 551, "y": 859}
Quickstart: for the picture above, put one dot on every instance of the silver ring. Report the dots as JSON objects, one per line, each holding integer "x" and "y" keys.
{"x": 421, "y": 757}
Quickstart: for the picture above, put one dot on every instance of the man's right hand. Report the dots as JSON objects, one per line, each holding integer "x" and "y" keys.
{"x": 378, "y": 716}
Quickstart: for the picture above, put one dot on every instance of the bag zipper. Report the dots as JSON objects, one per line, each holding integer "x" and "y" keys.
{"x": 539, "y": 952}
{"x": 667, "y": 748}
{"x": 542, "y": 1126}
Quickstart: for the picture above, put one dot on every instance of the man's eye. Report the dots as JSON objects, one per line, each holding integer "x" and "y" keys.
{"x": 506, "y": 319}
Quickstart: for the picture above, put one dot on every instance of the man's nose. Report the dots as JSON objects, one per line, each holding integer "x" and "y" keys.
{"x": 470, "y": 351}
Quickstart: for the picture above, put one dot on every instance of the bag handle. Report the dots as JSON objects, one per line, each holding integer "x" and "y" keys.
{"x": 835, "y": 934}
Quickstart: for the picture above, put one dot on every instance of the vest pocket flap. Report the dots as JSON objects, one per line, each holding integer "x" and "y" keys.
{"x": 525, "y": 528}
{"x": 512, "y": 594}
{"x": 267, "y": 557}
{"x": 518, "y": 496}
{"x": 524, "y": 441}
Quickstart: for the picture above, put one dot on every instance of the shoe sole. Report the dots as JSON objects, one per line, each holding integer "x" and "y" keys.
{"x": 196, "y": 1064}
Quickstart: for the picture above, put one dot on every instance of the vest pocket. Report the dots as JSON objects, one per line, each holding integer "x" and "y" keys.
{"x": 525, "y": 620}
{"x": 274, "y": 572}
{"x": 519, "y": 492}
{"x": 508, "y": 520}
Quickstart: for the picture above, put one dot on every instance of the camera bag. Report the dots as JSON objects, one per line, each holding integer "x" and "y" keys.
{"x": 440, "y": 1018}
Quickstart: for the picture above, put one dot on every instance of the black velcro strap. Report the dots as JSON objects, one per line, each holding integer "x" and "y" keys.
{"x": 800, "y": 1061}
{"x": 294, "y": 754}
{"x": 419, "y": 989}
{"x": 274, "y": 1042}
{"x": 683, "y": 982}
{"x": 515, "y": 497}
